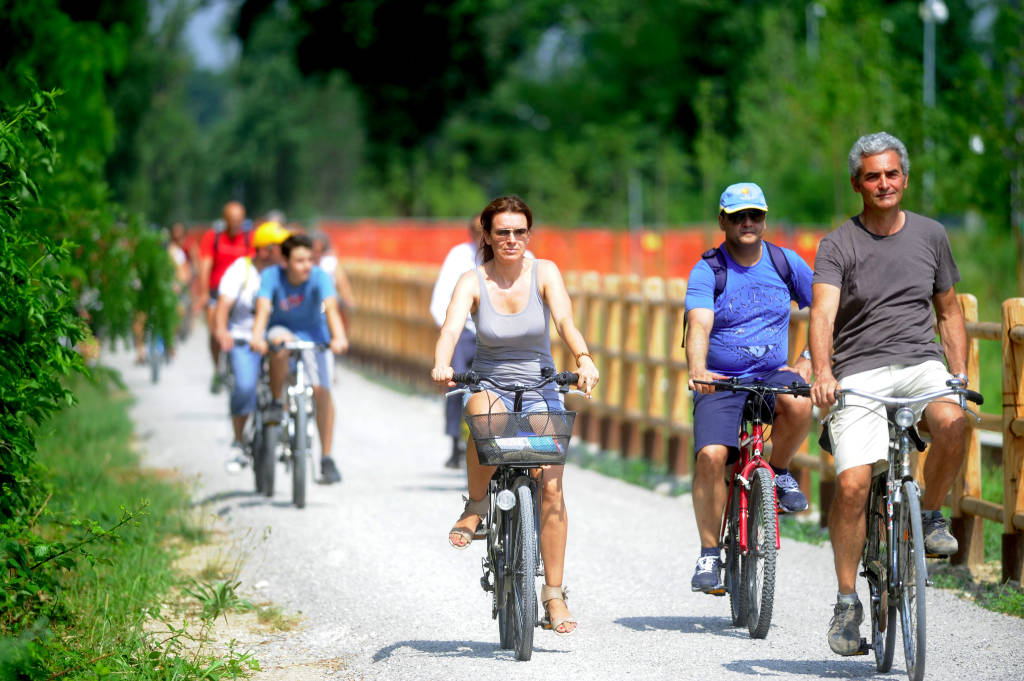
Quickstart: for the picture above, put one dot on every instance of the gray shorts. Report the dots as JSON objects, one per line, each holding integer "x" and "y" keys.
{"x": 318, "y": 364}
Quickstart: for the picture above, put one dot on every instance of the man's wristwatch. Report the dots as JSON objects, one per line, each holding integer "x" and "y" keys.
{"x": 961, "y": 377}
{"x": 806, "y": 354}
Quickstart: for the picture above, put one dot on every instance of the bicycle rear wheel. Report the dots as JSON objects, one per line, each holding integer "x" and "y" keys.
{"x": 876, "y": 569}
{"x": 300, "y": 455}
{"x": 759, "y": 565}
{"x": 912, "y": 572}
{"x": 254, "y": 439}
{"x": 733, "y": 572}
{"x": 523, "y": 570}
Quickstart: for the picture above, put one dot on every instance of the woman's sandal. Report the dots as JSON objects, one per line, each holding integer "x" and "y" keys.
{"x": 550, "y": 593}
{"x": 478, "y": 508}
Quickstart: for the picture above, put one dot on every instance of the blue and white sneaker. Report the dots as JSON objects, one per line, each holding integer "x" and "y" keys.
{"x": 707, "y": 576}
{"x": 791, "y": 499}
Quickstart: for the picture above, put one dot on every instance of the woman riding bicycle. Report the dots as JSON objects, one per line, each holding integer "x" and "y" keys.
{"x": 512, "y": 298}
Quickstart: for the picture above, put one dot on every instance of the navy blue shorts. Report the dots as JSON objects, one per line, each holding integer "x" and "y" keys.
{"x": 717, "y": 417}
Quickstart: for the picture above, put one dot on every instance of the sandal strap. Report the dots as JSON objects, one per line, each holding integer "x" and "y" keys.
{"x": 550, "y": 593}
{"x": 480, "y": 507}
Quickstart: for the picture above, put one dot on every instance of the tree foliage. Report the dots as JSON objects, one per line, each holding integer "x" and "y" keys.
{"x": 564, "y": 101}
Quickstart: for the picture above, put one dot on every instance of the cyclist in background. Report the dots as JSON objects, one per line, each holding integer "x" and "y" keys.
{"x": 460, "y": 259}
{"x": 740, "y": 328}
{"x": 216, "y": 253}
{"x": 298, "y": 301}
{"x": 236, "y": 308}
{"x": 183, "y": 273}
{"x": 877, "y": 278}
{"x": 325, "y": 259}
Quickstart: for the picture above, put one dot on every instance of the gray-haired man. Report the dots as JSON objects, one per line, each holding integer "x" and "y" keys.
{"x": 876, "y": 279}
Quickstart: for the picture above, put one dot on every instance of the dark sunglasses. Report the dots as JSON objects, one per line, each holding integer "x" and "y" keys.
{"x": 520, "y": 233}
{"x": 741, "y": 216}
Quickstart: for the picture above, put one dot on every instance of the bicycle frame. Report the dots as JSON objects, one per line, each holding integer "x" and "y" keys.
{"x": 297, "y": 385}
{"x": 751, "y": 446}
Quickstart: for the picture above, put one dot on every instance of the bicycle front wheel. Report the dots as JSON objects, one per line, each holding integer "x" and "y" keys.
{"x": 156, "y": 358}
{"x": 300, "y": 455}
{"x": 502, "y": 578}
{"x": 254, "y": 432}
{"x": 268, "y": 459}
{"x": 876, "y": 561}
{"x": 733, "y": 574}
{"x": 522, "y": 556}
{"x": 759, "y": 565}
{"x": 912, "y": 572}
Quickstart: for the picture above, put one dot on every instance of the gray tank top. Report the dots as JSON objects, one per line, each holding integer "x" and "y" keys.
{"x": 513, "y": 347}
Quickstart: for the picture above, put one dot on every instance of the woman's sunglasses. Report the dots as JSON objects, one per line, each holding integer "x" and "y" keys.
{"x": 519, "y": 233}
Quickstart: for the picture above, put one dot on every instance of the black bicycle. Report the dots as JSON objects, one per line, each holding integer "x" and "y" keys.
{"x": 293, "y": 436}
{"x": 517, "y": 443}
{"x": 893, "y": 561}
{"x": 750, "y": 524}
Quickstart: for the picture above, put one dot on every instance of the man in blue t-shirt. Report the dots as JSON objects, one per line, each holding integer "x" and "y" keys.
{"x": 742, "y": 332}
{"x": 299, "y": 302}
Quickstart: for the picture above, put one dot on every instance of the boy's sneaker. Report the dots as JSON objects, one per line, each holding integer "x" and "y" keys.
{"x": 328, "y": 471}
{"x": 216, "y": 383}
{"x": 791, "y": 499}
{"x": 937, "y": 539}
{"x": 237, "y": 460}
{"x": 844, "y": 629}
{"x": 707, "y": 576}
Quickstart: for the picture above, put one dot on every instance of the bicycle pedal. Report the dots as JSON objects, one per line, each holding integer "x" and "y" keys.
{"x": 938, "y": 556}
{"x": 865, "y": 647}
{"x": 718, "y": 591}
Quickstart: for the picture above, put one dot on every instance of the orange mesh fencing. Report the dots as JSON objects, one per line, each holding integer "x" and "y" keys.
{"x": 648, "y": 253}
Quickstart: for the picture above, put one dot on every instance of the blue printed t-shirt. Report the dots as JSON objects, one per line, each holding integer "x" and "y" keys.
{"x": 750, "y": 336}
{"x": 298, "y": 308}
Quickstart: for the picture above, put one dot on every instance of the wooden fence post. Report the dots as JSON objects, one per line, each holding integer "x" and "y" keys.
{"x": 656, "y": 378}
{"x": 1013, "y": 440}
{"x": 969, "y": 529}
{"x": 679, "y": 409}
{"x": 633, "y": 366}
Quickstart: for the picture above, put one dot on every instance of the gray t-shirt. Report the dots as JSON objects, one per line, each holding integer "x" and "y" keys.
{"x": 886, "y": 286}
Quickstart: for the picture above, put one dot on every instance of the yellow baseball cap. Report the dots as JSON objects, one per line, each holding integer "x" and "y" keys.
{"x": 269, "y": 233}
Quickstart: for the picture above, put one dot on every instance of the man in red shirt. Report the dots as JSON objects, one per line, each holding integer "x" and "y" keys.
{"x": 216, "y": 252}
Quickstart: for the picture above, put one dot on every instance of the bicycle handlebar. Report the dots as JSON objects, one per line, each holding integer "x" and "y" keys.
{"x": 471, "y": 378}
{"x": 298, "y": 345}
{"x": 759, "y": 388}
{"x": 917, "y": 399}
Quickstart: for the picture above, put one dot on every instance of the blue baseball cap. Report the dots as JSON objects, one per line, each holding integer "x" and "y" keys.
{"x": 741, "y": 196}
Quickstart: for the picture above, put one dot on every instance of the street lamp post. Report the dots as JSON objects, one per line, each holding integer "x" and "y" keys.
{"x": 932, "y": 12}
{"x": 813, "y": 13}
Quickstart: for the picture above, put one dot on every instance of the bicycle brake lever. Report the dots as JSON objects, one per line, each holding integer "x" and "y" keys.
{"x": 972, "y": 413}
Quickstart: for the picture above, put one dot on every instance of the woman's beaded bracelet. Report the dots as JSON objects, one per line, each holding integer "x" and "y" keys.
{"x": 583, "y": 354}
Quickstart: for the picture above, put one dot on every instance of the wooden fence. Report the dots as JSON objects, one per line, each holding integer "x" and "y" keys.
{"x": 642, "y": 408}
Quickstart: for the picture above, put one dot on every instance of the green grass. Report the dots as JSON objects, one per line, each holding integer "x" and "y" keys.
{"x": 110, "y": 594}
{"x": 634, "y": 471}
{"x": 1006, "y": 598}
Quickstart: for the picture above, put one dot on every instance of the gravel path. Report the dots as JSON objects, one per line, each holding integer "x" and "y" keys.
{"x": 383, "y": 596}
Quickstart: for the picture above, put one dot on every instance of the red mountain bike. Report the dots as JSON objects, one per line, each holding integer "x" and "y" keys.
{"x": 750, "y": 524}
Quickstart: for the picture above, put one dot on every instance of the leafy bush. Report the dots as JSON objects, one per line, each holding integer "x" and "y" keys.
{"x": 38, "y": 324}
